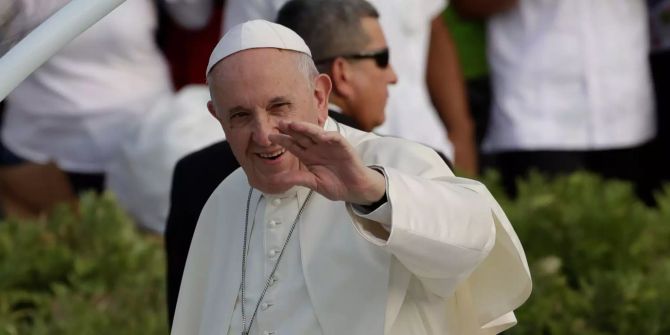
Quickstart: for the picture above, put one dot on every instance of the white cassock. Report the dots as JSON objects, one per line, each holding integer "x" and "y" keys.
{"x": 451, "y": 265}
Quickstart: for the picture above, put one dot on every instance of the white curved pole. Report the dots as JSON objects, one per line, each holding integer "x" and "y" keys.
{"x": 49, "y": 37}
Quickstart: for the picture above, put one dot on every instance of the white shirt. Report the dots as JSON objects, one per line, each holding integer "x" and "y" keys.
{"x": 78, "y": 106}
{"x": 570, "y": 75}
{"x": 286, "y": 307}
{"x": 409, "y": 112}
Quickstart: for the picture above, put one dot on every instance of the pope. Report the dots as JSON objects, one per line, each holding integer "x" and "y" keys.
{"x": 329, "y": 230}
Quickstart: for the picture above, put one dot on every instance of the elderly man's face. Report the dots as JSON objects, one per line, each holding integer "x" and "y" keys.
{"x": 252, "y": 91}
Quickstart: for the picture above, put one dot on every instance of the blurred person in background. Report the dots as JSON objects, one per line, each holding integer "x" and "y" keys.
{"x": 572, "y": 88}
{"x": 659, "y": 18}
{"x": 470, "y": 39}
{"x": 181, "y": 23}
{"x": 428, "y": 105}
{"x": 347, "y": 40}
{"x": 66, "y": 120}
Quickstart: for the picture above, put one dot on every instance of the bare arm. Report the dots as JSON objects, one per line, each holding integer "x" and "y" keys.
{"x": 481, "y": 9}
{"x": 447, "y": 92}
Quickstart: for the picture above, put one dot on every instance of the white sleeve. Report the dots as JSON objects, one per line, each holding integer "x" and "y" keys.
{"x": 453, "y": 236}
{"x": 439, "y": 229}
{"x": 382, "y": 215}
{"x": 449, "y": 232}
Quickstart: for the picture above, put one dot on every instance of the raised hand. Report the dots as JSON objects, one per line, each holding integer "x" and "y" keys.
{"x": 329, "y": 164}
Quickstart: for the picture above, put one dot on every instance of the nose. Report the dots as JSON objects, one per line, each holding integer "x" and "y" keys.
{"x": 392, "y": 77}
{"x": 263, "y": 127}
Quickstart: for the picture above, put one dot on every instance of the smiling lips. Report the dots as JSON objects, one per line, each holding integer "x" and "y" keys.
{"x": 272, "y": 155}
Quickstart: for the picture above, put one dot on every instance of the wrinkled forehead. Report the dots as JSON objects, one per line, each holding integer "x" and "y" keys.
{"x": 267, "y": 62}
{"x": 257, "y": 74}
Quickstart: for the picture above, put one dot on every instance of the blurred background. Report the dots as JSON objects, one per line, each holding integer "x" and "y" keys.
{"x": 560, "y": 107}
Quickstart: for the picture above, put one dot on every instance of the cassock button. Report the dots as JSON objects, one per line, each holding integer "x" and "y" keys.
{"x": 269, "y": 333}
{"x": 276, "y": 201}
{"x": 265, "y": 306}
{"x": 273, "y": 280}
{"x": 274, "y": 223}
{"x": 272, "y": 253}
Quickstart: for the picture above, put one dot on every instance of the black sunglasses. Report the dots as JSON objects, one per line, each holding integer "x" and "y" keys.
{"x": 381, "y": 57}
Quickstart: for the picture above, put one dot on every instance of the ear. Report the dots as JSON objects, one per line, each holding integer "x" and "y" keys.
{"x": 341, "y": 76}
{"x": 322, "y": 87}
{"x": 212, "y": 110}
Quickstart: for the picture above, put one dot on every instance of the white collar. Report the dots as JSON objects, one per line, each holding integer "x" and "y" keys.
{"x": 335, "y": 108}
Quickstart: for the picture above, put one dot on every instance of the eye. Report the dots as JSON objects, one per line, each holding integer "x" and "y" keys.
{"x": 238, "y": 115}
{"x": 280, "y": 107}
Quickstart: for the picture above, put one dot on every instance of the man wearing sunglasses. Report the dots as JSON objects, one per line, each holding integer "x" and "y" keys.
{"x": 347, "y": 44}
{"x": 364, "y": 99}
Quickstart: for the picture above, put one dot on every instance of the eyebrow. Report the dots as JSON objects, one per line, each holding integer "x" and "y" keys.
{"x": 237, "y": 109}
{"x": 273, "y": 101}
{"x": 277, "y": 100}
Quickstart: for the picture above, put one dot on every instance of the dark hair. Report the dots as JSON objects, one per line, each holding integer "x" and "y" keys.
{"x": 329, "y": 27}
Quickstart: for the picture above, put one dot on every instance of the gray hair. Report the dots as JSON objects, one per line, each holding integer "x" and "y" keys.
{"x": 306, "y": 67}
{"x": 331, "y": 28}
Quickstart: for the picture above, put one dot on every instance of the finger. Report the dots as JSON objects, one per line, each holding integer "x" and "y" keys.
{"x": 306, "y": 134}
{"x": 331, "y": 137}
{"x": 313, "y": 131}
{"x": 336, "y": 143}
{"x": 288, "y": 179}
{"x": 301, "y": 139}
{"x": 300, "y": 178}
{"x": 305, "y": 127}
{"x": 288, "y": 142}
{"x": 307, "y": 156}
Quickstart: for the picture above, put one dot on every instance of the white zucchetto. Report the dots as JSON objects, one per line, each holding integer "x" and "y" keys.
{"x": 256, "y": 34}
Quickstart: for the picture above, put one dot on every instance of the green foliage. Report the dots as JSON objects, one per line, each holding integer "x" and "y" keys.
{"x": 89, "y": 272}
{"x": 600, "y": 261}
{"x": 600, "y": 258}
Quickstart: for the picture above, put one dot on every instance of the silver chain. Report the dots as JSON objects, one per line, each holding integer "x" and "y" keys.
{"x": 245, "y": 250}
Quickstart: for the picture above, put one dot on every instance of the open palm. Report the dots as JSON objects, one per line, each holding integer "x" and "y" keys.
{"x": 329, "y": 164}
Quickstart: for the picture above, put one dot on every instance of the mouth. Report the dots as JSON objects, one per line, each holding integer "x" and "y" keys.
{"x": 272, "y": 155}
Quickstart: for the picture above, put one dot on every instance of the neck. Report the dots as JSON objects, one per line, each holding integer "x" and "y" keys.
{"x": 339, "y": 104}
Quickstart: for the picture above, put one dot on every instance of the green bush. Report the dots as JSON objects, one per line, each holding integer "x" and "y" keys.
{"x": 89, "y": 272}
{"x": 600, "y": 261}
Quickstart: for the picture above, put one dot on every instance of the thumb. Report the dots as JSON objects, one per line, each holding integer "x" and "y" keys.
{"x": 299, "y": 178}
